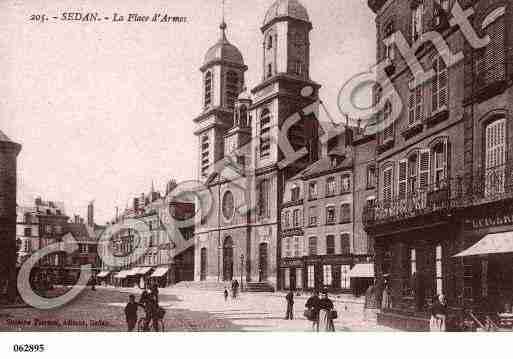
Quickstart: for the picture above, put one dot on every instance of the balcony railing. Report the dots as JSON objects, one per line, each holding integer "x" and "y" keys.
{"x": 481, "y": 187}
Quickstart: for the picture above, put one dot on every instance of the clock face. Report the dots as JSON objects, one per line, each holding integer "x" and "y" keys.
{"x": 228, "y": 205}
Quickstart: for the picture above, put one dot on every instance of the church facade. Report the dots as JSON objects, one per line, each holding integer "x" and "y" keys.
{"x": 238, "y": 134}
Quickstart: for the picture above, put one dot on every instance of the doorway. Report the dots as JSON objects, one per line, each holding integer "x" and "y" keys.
{"x": 262, "y": 262}
{"x": 203, "y": 264}
{"x": 228, "y": 259}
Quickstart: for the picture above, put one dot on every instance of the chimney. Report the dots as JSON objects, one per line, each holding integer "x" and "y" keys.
{"x": 90, "y": 214}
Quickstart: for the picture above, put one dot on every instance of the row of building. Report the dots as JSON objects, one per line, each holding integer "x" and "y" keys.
{"x": 425, "y": 197}
{"x": 45, "y": 224}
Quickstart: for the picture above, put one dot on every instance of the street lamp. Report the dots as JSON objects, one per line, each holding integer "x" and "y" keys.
{"x": 241, "y": 271}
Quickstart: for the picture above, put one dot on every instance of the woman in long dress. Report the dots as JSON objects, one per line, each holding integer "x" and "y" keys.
{"x": 325, "y": 309}
{"x": 438, "y": 315}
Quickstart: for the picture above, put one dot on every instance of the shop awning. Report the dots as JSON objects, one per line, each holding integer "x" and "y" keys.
{"x": 133, "y": 272}
{"x": 490, "y": 244}
{"x": 144, "y": 270}
{"x": 159, "y": 272}
{"x": 103, "y": 274}
{"x": 121, "y": 275}
{"x": 362, "y": 270}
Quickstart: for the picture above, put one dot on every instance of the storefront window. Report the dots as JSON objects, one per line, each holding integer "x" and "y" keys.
{"x": 311, "y": 276}
{"x": 439, "y": 273}
{"x": 327, "y": 278}
{"x": 286, "y": 275}
{"x": 345, "y": 279}
{"x": 413, "y": 261}
{"x": 299, "y": 278}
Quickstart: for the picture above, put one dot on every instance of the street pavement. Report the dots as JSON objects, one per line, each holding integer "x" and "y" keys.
{"x": 187, "y": 309}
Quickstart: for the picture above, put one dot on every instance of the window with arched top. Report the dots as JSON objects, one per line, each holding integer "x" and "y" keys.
{"x": 208, "y": 89}
{"x": 265, "y": 133}
{"x": 490, "y": 61}
{"x": 232, "y": 88}
{"x": 495, "y": 156}
{"x": 243, "y": 116}
{"x": 270, "y": 42}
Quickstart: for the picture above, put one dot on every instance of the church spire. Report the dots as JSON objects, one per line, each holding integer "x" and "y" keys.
{"x": 223, "y": 25}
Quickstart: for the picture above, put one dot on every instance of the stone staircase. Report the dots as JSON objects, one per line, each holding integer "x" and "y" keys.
{"x": 259, "y": 287}
{"x": 208, "y": 286}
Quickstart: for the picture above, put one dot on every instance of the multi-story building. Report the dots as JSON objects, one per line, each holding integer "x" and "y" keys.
{"x": 442, "y": 165}
{"x": 321, "y": 241}
{"x": 240, "y": 236}
{"x": 168, "y": 257}
{"x": 9, "y": 151}
{"x": 45, "y": 224}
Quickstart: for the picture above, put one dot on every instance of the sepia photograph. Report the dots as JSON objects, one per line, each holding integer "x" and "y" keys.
{"x": 255, "y": 166}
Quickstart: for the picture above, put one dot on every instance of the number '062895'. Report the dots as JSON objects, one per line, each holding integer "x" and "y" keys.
{"x": 28, "y": 348}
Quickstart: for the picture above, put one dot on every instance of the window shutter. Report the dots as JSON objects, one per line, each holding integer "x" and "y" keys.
{"x": 403, "y": 173}
{"x": 434, "y": 86}
{"x": 447, "y": 159}
{"x": 387, "y": 184}
{"x": 443, "y": 82}
{"x": 419, "y": 104}
{"x": 495, "y": 52}
{"x": 424, "y": 166}
{"x": 412, "y": 102}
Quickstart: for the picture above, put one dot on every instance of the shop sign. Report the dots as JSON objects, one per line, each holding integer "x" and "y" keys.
{"x": 490, "y": 221}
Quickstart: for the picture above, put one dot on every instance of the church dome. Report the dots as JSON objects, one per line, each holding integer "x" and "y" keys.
{"x": 223, "y": 50}
{"x": 286, "y": 8}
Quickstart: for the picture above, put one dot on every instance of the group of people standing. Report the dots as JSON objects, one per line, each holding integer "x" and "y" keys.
{"x": 234, "y": 290}
{"x": 319, "y": 310}
{"x": 149, "y": 302}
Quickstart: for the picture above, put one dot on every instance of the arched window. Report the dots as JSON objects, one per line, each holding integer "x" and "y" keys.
{"x": 269, "y": 70}
{"x": 232, "y": 88}
{"x": 490, "y": 65}
{"x": 263, "y": 198}
{"x": 265, "y": 134}
{"x": 495, "y": 156}
{"x": 208, "y": 89}
{"x": 270, "y": 42}
{"x": 243, "y": 116}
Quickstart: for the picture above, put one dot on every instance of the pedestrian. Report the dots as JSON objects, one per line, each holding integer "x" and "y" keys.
{"x": 386, "y": 302}
{"x": 312, "y": 305}
{"x": 236, "y": 289}
{"x": 438, "y": 314}
{"x": 154, "y": 292}
{"x": 370, "y": 303}
{"x": 326, "y": 312}
{"x": 225, "y": 294}
{"x": 93, "y": 283}
{"x": 290, "y": 305}
{"x": 131, "y": 313}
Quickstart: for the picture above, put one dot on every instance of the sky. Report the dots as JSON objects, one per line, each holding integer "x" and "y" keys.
{"x": 103, "y": 109}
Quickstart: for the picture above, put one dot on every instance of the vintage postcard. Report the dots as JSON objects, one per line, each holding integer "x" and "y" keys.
{"x": 256, "y": 166}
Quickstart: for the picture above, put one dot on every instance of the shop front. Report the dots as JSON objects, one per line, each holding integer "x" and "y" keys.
{"x": 331, "y": 271}
{"x": 160, "y": 276}
{"x": 487, "y": 264}
{"x": 292, "y": 270}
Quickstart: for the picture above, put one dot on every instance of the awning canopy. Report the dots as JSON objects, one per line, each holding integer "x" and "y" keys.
{"x": 121, "y": 275}
{"x": 159, "y": 272}
{"x": 103, "y": 274}
{"x": 133, "y": 272}
{"x": 362, "y": 270}
{"x": 144, "y": 270}
{"x": 490, "y": 244}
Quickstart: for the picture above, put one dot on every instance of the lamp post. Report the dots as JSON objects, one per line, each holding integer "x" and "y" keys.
{"x": 241, "y": 271}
